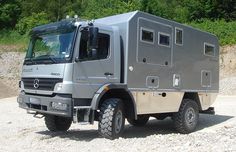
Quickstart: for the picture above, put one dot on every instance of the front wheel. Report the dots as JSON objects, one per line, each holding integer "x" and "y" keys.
{"x": 186, "y": 119}
{"x": 57, "y": 123}
{"x": 111, "y": 118}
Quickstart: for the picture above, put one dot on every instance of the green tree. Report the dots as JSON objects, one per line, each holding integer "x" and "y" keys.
{"x": 170, "y": 9}
{"x": 211, "y": 9}
{"x": 55, "y": 9}
{"x": 27, "y": 23}
{"x": 9, "y": 13}
{"x": 93, "y": 9}
{"x": 191, "y": 10}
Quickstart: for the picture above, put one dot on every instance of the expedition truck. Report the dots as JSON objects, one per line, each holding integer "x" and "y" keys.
{"x": 128, "y": 66}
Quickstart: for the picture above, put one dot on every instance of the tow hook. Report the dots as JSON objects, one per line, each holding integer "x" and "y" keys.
{"x": 37, "y": 115}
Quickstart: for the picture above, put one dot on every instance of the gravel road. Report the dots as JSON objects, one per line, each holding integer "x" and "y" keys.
{"x": 21, "y": 132}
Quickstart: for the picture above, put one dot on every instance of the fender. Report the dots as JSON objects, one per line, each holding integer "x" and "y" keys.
{"x": 107, "y": 87}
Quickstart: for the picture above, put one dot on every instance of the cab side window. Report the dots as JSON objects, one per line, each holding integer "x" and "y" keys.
{"x": 102, "y": 51}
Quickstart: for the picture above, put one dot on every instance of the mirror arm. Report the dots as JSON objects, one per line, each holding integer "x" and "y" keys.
{"x": 77, "y": 59}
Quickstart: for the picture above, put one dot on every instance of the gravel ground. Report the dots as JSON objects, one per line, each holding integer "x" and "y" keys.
{"x": 10, "y": 69}
{"x": 22, "y": 133}
{"x": 228, "y": 86}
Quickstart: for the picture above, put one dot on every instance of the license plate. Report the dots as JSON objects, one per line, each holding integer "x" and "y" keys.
{"x": 35, "y": 100}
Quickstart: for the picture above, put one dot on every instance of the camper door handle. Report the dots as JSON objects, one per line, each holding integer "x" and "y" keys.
{"x": 108, "y": 74}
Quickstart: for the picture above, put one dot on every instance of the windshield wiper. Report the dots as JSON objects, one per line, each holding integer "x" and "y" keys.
{"x": 46, "y": 57}
{"x": 29, "y": 61}
{"x": 52, "y": 59}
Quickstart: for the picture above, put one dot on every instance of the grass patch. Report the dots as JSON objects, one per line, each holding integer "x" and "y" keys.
{"x": 225, "y": 31}
{"x": 14, "y": 40}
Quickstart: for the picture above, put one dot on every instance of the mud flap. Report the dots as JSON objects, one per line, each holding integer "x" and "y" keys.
{"x": 210, "y": 110}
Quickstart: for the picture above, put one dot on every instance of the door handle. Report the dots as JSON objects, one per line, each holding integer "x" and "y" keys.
{"x": 108, "y": 74}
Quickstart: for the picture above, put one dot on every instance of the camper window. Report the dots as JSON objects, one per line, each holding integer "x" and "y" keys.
{"x": 147, "y": 35}
{"x": 164, "y": 39}
{"x": 209, "y": 49}
{"x": 178, "y": 36}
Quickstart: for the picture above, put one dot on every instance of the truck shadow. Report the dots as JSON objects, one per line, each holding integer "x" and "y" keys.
{"x": 73, "y": 134}
{"x": 167, "y": 126}
{"x": 151, "y": 128}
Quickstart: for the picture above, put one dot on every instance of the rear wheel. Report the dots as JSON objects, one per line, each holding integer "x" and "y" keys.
{"x": 111, "y": 118}
{"x": 140, "y": 121}
{"x": 57, "y": 123}
{"x": 186, "y": 119}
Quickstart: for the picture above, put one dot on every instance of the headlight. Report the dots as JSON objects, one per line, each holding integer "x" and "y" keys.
{"x": 59, "y": 87}
{"x": 59, "y": 106}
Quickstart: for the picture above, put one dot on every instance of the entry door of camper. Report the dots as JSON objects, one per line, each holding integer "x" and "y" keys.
{"x": 96, "y": 67}
{"x": 155, "y": 42}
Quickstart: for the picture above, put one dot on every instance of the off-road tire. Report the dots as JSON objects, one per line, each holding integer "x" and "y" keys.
{"x": 57, "y": 123}
{"x": 140, "y": 121}
{"x": 188, "y": 108}
{"x": 111, "y": 118}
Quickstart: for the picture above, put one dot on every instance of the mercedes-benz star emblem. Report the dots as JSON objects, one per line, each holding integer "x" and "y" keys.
{"x": 36, "y": 83}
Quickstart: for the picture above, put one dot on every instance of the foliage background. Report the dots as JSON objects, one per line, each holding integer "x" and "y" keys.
{"x": 18, "y": 17}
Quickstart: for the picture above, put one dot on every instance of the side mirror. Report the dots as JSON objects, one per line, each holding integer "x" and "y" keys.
{"x": 90, "y": 35}
{"x": 93, "y": 38}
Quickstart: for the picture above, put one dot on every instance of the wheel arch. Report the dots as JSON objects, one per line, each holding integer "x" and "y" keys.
{"x": 116, "y": 91}
{"x": 193, "y": 96}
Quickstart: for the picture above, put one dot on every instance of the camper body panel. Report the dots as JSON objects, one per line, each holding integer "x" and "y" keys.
{"x": 157, "y": 102}
{"x": 144, "y": 60}
{"x": 175, "y": 68}
{"x": 196, "y": 71}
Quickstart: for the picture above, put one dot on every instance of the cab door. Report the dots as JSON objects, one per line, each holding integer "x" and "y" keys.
{"x": 96, "y": 67}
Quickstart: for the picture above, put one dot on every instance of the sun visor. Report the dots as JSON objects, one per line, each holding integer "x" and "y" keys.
{"x": 66, "y": 25}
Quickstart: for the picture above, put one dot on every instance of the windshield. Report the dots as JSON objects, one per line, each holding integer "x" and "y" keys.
{"x": 50, "y": 48}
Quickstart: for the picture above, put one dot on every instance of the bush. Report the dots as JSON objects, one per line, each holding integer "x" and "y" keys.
{"x": 27, "y": 23}
{"x": 12, "y": 37}
{"x": 225, "y": 31}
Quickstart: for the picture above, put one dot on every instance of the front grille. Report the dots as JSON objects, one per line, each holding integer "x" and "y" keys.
{"x": 42, "y": 83}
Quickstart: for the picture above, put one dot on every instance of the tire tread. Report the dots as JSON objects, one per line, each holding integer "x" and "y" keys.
{"x": 107, "y": 112}
{"x": 179, "y": 116}
{"x": 56, "y": 123}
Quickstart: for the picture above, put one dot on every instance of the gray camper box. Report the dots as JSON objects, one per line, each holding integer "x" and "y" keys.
{"x": 133, "y": 65}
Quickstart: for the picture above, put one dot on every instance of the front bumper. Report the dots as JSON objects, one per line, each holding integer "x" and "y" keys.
{"x": 43, "y": 105}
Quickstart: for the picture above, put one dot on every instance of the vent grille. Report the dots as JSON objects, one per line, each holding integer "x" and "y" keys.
{"x": 42, "y": 83}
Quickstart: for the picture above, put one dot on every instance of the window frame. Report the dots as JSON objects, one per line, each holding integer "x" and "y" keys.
{"x": 211, "y": 45}
{"x": 109, "y": 48}
{"x": 141, "y": 35}
{"x": 180, "y": 29}
{"x": 165, "y": 34}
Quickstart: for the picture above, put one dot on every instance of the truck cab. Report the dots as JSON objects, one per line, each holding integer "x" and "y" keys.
{"x": 66, "y": 64}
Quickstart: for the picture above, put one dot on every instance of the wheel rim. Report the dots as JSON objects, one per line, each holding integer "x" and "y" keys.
{"x": 190, "y": 117}
{"x": 118, "y": 121}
